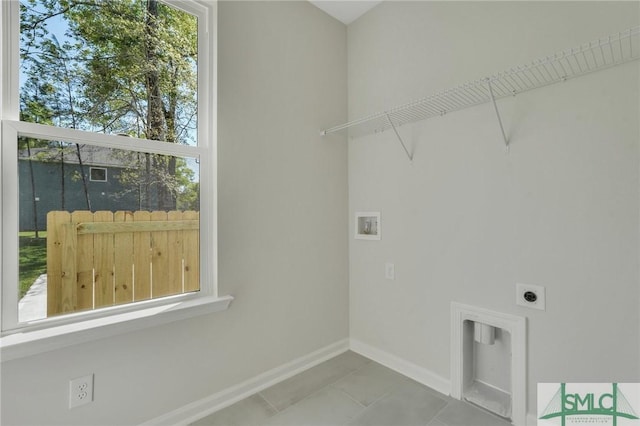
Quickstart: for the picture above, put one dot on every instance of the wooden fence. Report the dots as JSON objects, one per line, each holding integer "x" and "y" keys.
{"x": 99, "y": 259}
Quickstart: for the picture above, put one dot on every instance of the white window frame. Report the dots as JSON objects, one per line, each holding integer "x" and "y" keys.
{"x": 104, "y": 169}
{"x": 27, "y": 338}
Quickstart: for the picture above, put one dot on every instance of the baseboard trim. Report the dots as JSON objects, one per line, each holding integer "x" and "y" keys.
{"x": 402, "y": 366}
{"x": 219, "y": 400}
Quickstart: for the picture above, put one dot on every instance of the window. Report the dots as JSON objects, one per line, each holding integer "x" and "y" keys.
{"x": 97, "y": 174}
{"x": 94, "y": 90}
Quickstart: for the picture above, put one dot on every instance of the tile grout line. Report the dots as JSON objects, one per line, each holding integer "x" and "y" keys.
{"x": 268, "y": 403}
{"x": 375, "y": 401}
{"x": 435, "y": 417}
{"x": 328, "y": 385}
{"x": 331, "y": 386}
{"x": 369, "y": 407}
{"x": 352, "y": 371}
{"x": 300, "y": 401}
{"x": 349, "y": 396}
{"x": 392, "y": 390}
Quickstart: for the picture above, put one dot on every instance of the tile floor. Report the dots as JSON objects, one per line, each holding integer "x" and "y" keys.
{"x": 350, "y": 390}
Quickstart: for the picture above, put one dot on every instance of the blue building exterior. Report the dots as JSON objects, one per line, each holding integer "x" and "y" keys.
{"x": 49, "y": 191}
{"x": 109, "y": 194}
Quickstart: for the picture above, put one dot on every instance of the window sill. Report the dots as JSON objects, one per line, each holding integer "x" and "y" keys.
{"x": 32, "y": 342}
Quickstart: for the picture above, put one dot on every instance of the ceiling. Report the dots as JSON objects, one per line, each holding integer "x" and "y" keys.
{"x": 346, "y": 11}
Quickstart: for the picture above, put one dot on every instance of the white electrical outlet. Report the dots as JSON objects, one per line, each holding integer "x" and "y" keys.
{"x": 530, "y": 296}
{"x": 390, "y": 271}
{"x": 81, "y": 391}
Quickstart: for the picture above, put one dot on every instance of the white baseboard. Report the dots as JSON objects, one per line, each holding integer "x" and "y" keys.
{"x": 413, "y": 371}
{"x": 402, "y": 366}
{"x": 219, "y": 400}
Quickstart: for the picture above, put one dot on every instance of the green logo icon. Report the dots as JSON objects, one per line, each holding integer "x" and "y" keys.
{"x": 612, "y": 404}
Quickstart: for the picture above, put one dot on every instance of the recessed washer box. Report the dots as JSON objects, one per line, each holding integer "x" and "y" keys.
{"x": 367, "y": 226}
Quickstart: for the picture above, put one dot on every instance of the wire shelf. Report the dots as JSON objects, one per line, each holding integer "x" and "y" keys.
{"x": 589, "y": 57}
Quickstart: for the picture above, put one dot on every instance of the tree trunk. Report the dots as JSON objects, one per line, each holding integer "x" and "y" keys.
{"x": 33, "y": 190}
{"x": 156, "y": 125}
{"x": 84, "y": 178}
{"x": 155, "y": 117}
{"x": 147, "y": 181}
{"x": 73, "y": 121}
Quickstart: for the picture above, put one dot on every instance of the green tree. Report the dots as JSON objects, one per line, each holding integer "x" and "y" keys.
{"x": 34, "y": 109}
{"x": 123, "y": 67}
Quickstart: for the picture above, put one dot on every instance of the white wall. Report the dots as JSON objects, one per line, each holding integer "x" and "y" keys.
{"x": 282, "y": 226}
{"x": 466, "y": 221}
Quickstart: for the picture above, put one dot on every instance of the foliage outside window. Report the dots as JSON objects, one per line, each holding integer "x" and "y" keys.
{"x": 109, "y": 207}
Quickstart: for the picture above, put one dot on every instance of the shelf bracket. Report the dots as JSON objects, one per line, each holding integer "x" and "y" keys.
{"x": 495, "y": 106}
{"x": 399, "y": 138}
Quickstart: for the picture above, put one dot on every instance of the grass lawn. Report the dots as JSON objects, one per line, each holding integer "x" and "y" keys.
{"x": 33, "y": 259}
{"x": 32, "y": 234}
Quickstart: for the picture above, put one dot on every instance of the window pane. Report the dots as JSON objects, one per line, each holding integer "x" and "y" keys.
{"x": 98, "y": 174}
{"x": 118, "y": 66}
{"x": 88, "y": 244}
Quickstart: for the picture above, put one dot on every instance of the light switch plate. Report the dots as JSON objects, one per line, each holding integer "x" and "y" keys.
{"x": 390, "y": 271}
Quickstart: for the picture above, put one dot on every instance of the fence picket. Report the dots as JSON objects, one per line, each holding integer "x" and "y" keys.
{"x": 123, "y": 257}
{"x": 55, "y": 222}
{"x": 142, "y": 259}
{"x": 159, "y": 259}
{"x": 68, "y": 291}
{"x": 101, "y": 259}
{"x": 103, "y": 263}
{"x": 174, "y": 256}
{"x": 191, "y": 253}
{"x": 84, "y": 265}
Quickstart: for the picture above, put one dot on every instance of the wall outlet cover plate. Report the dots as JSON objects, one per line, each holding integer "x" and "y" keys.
{"x": 530, "y": 296}
{"x": 80, "y": 391}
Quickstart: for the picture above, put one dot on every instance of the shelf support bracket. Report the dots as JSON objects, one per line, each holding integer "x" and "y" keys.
{"x": 495, "y": 106}
{"x": 399, "y": 138}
